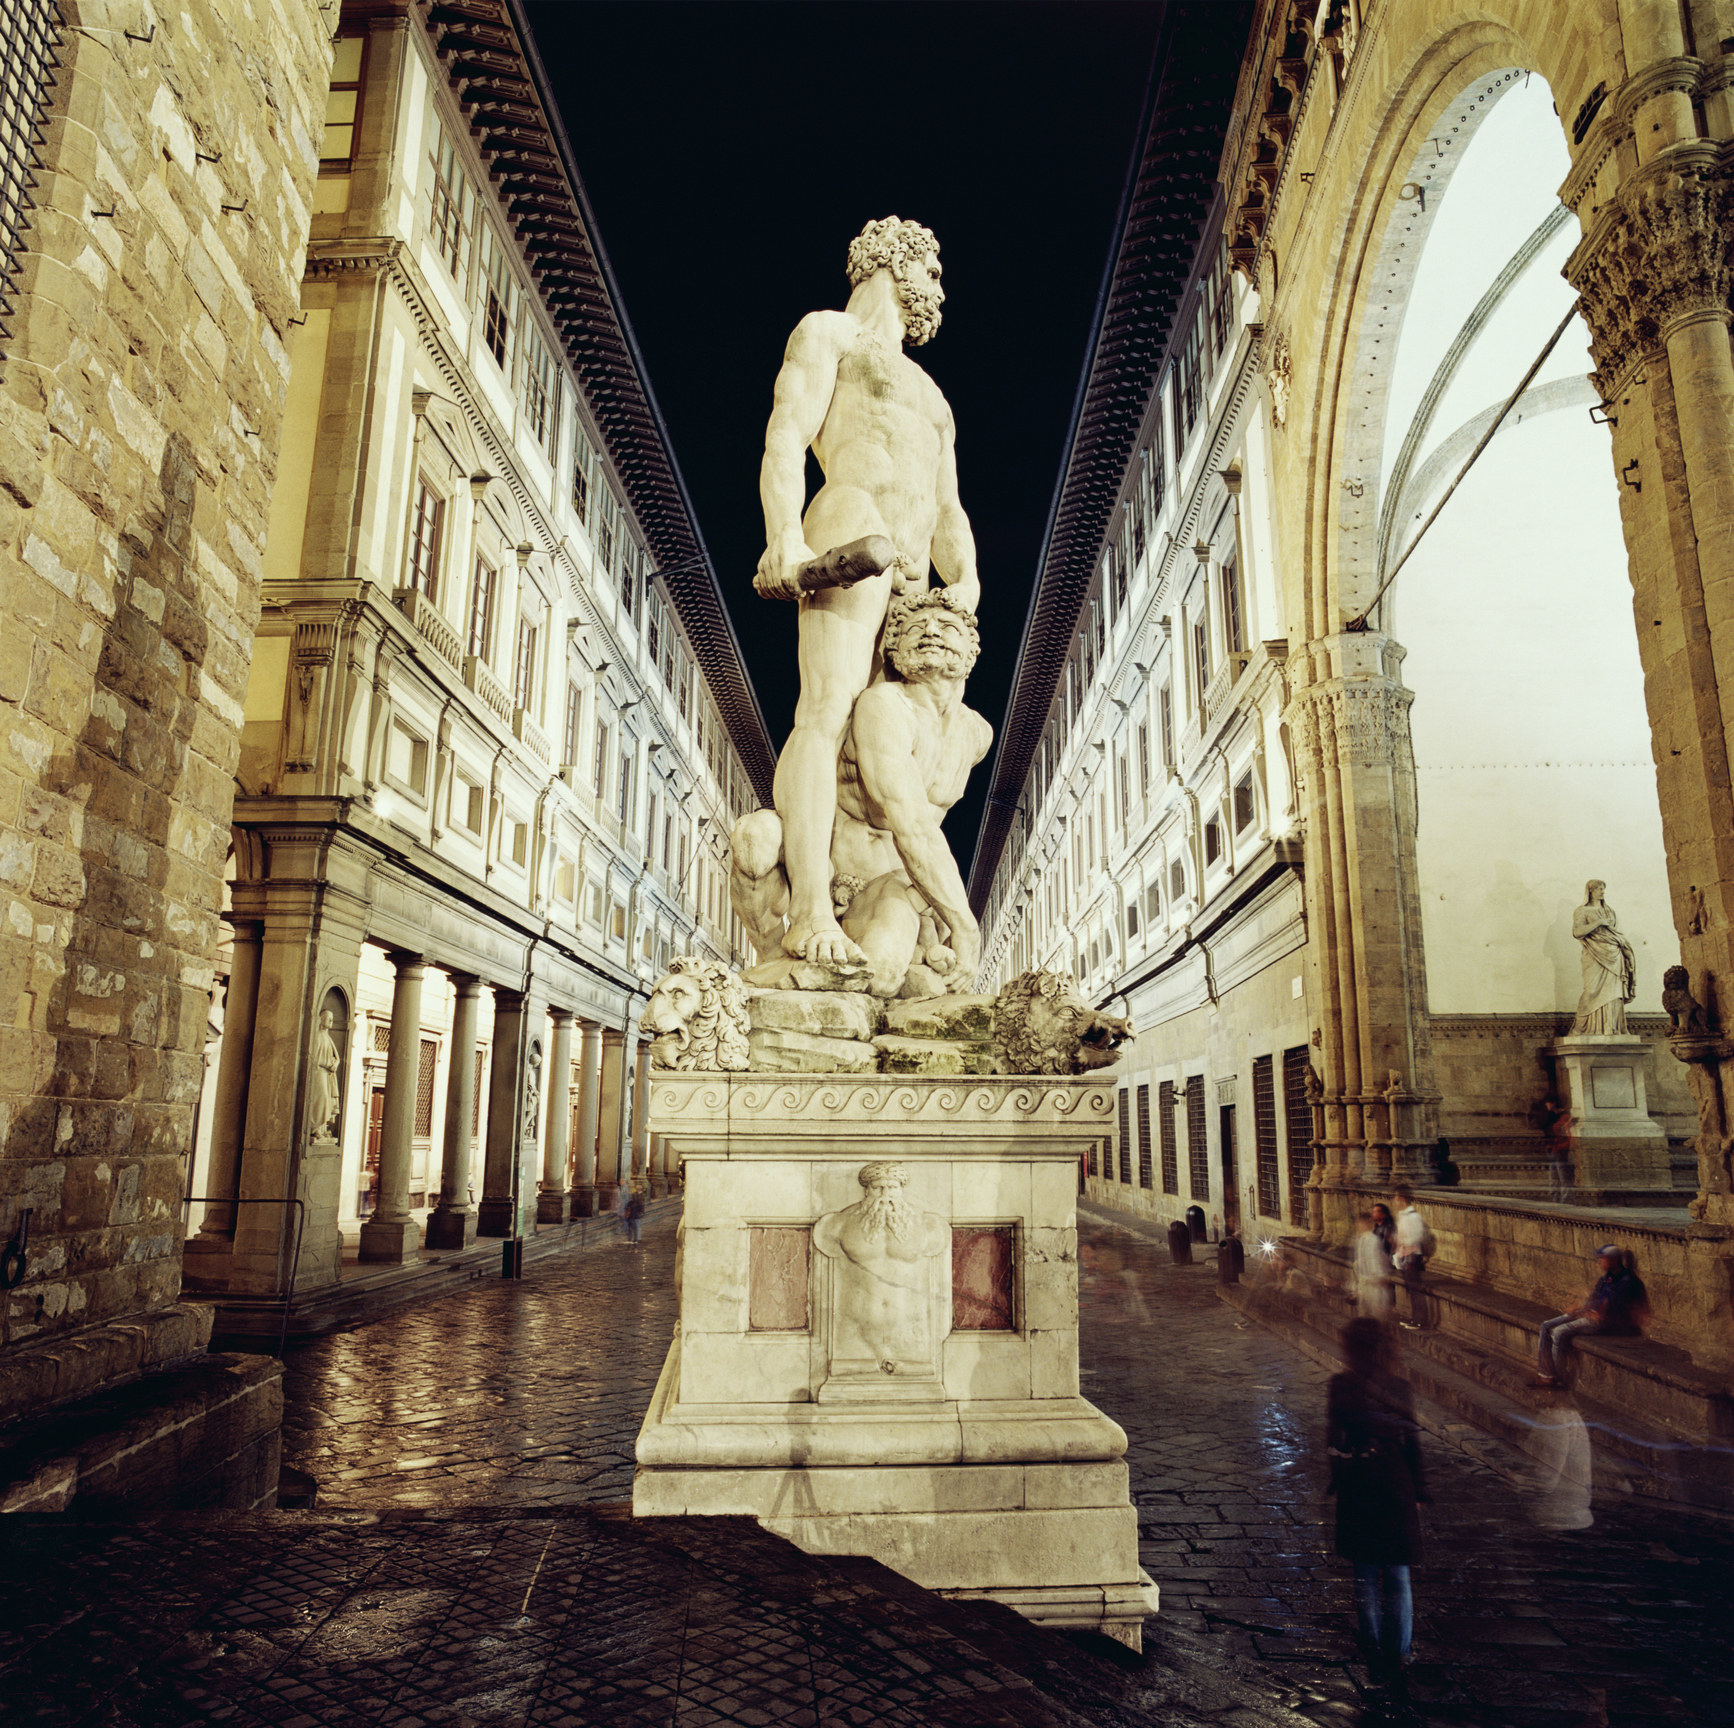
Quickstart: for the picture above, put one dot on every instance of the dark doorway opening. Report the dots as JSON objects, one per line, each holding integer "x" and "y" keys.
{"x": 1230, "y": 1172}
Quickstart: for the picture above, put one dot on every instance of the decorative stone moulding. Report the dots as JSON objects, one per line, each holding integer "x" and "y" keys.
{"x": 1655, "y": 256}
{"x": 877, "y": 1350}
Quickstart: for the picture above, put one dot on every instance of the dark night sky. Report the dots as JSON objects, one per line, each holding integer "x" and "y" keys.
{"x": 732, "y": 150}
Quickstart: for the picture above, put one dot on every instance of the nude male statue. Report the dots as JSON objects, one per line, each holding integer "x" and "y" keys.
{"x": 905, "y": 760}
{"x": 885, "y": 440}
{"x": 888, "y": 1253}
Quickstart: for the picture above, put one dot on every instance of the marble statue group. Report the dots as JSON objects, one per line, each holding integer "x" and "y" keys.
{"x": 851, "y": 867}
{"x": 854, "y": 904}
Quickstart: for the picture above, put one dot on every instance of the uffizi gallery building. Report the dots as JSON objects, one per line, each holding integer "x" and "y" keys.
{"x": 374, "y": 724}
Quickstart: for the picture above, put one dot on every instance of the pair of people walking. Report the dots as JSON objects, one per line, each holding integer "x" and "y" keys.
{"x": 1393, "y": 1246}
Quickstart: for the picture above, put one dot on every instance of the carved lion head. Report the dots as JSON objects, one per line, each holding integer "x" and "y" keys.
{"x": 1042, "y": 1025}
{"x": 699, "y": 1015}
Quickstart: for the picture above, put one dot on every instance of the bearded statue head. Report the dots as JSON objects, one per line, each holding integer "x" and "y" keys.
{"x": 698, "y": 1013}
{"x": 910, "y": 252}
{"x": 885, "y": 1208}
{"x": 931, "y": 631}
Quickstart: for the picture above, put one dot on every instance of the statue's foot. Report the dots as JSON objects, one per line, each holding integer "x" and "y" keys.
{"x": 822, "y": 944}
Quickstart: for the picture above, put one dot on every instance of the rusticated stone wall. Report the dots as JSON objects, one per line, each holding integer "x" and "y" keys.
{"x": 140, "y": 402}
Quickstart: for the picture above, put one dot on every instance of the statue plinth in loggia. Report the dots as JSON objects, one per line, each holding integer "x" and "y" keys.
{"x": 878, "y": 1263}
{"x": 1615, "y": 1146}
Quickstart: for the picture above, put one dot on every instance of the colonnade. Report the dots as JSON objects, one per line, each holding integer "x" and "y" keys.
{"x": 590, "y": 1125}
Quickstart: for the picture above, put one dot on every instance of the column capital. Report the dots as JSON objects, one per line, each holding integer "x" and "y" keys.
{"x": 408, "y": 966}
{"x": 507, "y": 998}
{"x": 561, "y": 1016}
{"x": 464, "y": 984}
{"x": 1657, "y": 257}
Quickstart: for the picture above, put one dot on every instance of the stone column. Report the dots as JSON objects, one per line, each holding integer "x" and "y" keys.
{"x": 391, "y": 1234}
{"x": 452, "y": 1223}
{"x": 611, "y": 1120}
{"x": 589, "y": 1099}
{"x": 552, "y": 1204}
{"x": 641, "y": 1112}
{"x": 229, "y": 1112}
{"x": 656, "y": 1168}
{"x": 504, "y": 1083}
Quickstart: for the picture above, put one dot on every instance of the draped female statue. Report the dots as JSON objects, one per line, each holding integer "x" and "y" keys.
{"x": 1609, "y": 969}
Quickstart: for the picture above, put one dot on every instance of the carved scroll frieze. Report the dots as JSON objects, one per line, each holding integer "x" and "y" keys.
{"x": 1660, "y": 256}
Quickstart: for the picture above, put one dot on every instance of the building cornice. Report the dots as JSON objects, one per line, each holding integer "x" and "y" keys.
{"x": 489, "y": 54}
{"x": 1164, "y": 211}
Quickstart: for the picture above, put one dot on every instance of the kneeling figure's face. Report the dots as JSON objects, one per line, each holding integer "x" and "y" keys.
{"x": 936, "y": 643}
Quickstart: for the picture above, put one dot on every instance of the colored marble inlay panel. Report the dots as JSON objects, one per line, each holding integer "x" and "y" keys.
{"x": 777, "y": 1278}
{"x": 981, "y": 1280}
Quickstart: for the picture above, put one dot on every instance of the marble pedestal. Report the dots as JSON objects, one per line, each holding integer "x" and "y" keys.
{"x": 1617, "y": 1147}
{"x": 952, "y": 1444}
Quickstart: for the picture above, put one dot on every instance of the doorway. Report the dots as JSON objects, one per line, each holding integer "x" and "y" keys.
{"x": 368, "y": 1196}
{"x": 1230, "y": 1171}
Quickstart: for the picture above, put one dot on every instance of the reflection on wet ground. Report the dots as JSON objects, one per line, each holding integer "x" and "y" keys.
{"x": 469, "y": 1563}
{"x": 1623, "y": 1625}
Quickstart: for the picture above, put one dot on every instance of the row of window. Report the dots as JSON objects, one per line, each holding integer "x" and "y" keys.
{"x": 1076, "y": 868}
{"x": 1163, "y": 1159}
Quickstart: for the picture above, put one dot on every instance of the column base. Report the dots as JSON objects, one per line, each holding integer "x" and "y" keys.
{"x": 553, "y": 1206}
{"x": 393, "y": 1241}
{"x": 207, "y": 1262}
{"x": 659, "y": 1187}
{"x": 607, "y": 1196}
{"x": 583, "y": 1201}
{"x": 494, "y": 1218}
{"x": 450, "y": 1227}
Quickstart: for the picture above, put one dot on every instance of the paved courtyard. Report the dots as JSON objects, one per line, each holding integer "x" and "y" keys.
{"x": 469, "y": 1563}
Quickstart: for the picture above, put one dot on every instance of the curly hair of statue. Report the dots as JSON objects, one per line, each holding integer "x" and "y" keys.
{"x": 888, "y": 244}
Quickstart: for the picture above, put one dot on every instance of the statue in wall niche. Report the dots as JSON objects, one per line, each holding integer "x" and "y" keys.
{"x": 905, "y": 760}
{"x": 884, "y": 438}
{"x": 326, "y": 1103}
{"x": 1609, "y": 967}
{"x": 891, "y": 1277}
{"x": 698, "y": 1015}
{"x": 532, "y": 1088}
{"x": 1042, "y": 1025}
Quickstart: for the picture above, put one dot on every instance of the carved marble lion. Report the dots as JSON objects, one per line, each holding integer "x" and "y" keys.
{"x": 1042, "y": 1025}
{"x": 699, "y": 1015}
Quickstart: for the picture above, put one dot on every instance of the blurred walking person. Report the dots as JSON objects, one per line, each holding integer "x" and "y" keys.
{"x": 1564, "y": 1474}
{"x": 634, "y": 1216}
{"x": 1376, "y": 1476}
{"x": 1375, "y": 1296}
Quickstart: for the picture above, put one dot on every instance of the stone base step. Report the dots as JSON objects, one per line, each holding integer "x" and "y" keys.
{"x": 203, "y": 1433}
{"x": 365, "y": 1293}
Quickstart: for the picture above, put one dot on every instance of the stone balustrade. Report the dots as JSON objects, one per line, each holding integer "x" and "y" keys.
{"x": 431, "y": 625}
{"x": 530, "y": 735}
{"x": 488, "y": 687}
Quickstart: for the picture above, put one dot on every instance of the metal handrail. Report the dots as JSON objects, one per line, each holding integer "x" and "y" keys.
{"x": 295, "y": 1262}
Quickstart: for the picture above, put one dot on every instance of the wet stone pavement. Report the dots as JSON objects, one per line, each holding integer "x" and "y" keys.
{"x": 1629, "y": 1624}
{"x": 470, "y": 1563}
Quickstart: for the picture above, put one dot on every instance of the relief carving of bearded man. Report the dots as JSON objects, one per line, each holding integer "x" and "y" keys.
{"x": 887, "y": 1254}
